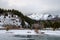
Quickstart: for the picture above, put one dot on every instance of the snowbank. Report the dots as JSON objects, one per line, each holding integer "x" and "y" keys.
{"x": 31, "y": 32}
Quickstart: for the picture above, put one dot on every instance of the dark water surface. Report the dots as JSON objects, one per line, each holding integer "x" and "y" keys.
{"x": 29, "y": 37}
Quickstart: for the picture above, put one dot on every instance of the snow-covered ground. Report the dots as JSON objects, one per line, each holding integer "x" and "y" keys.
{"x": 31, "y": 32}
{"x": 51, "y": 32}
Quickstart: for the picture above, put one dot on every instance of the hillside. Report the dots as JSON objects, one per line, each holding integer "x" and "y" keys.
{"x": 16, "y": 12}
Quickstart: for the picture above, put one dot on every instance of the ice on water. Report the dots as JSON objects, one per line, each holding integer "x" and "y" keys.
{"x": 15, "y": 35}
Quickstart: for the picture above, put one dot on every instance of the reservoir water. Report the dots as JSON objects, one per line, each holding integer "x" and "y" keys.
{"x": 10, "y": 36}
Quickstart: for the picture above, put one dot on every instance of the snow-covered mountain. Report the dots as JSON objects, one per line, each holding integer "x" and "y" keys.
{"x": 35, "y": 16}
{"x": 47, "y": 15}
{"x": 41, "y": 16}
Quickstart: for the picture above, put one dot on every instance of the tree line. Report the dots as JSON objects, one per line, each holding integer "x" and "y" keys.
{"x": 55, "y": 24}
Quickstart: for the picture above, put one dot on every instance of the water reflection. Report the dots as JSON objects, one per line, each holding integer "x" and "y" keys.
{"x": 28, "y": 37}
{"x": 25, "y": 37}
{"x": 32, "y": 37}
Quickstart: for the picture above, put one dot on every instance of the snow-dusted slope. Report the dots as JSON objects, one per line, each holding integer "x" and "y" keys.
{"x": 36, "y": 16}
{"x": 41, "y": 16}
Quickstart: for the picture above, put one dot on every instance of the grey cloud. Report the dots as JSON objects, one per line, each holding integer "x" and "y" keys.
{"x": 38, "y": 6}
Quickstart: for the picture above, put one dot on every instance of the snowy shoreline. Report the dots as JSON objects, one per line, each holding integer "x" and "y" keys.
{"x": 48, "y": 32}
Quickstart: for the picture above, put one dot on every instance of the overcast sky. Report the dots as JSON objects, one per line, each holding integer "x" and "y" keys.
{"x": 32, "y": 6}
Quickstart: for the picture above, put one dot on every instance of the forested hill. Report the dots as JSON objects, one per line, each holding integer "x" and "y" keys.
{"x": 20, "y": 14}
